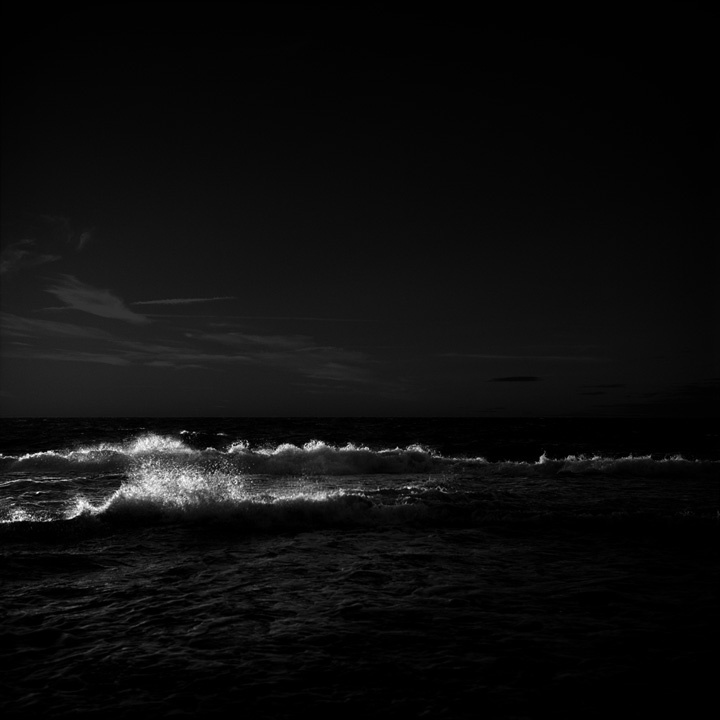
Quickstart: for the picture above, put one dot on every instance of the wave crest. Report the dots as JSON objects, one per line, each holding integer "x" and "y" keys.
{"x": 324, "y": 459}
{"x": 101, "y": 455}
{"x": 158, "y": 490}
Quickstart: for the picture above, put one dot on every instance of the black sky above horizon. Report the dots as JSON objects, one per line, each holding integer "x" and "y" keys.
{"x": 303, "y": 211}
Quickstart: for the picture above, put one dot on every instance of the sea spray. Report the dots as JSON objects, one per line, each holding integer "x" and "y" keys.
{"x": 320, "y": 458}
{"x": 161, "y": 490}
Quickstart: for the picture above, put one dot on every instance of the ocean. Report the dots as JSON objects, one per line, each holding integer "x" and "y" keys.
{"x": 358, "y": 567}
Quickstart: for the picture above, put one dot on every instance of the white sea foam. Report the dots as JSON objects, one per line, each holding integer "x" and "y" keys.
{"x": 324, "y": 459}
{"x": 165, "y": 490}
{"x": 100, "y": 454}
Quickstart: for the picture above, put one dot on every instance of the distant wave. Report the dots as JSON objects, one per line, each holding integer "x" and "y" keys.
{"x": 101, "y": 455}
{"x": 641, "y": 465}
{"x": 312, "y": 458}
{"x": 319, "y": 458}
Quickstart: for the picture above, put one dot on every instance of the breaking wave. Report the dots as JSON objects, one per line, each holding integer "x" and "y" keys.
{"x": 319, "y": 458}
{"x": 101, "y": 455}
{"x": 185, "y": 497}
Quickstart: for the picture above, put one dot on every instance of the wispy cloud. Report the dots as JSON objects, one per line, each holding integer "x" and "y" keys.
{"x": 183, "y": 301}
{"x": 547, "y": 358}
{"x": 85, "y": 298}
{"x": 294, "y": 357}
{"x": 16, "y": 326}
{"x": 247, "y": 340}
{"x": 36, "y": 239}
{"x": 303, "y": 318}
{"x": 40, "y": 339}
{"x": 85, "y": 237}
{"x": 60, "y": 227}
{"x": 70, "y": 356}
{"x": 22, "y": 254}
{"x": 175, "y": 354}
{"x": 300, "y": 354}
{"x": 327, "y": 369}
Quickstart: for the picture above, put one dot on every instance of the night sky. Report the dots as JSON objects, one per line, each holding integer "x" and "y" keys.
{"x": 306, "y": 211}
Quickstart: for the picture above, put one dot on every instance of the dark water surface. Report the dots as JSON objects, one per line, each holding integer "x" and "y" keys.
{"x": 399, "y": 568}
